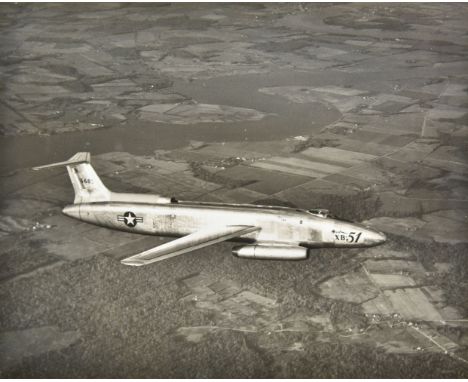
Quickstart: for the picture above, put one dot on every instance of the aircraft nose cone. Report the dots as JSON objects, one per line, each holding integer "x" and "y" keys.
{"x": 72, "y": 211}
{"x": 375, "y": 237}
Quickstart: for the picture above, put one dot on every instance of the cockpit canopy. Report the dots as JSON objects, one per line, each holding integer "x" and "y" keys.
{"x": 321, "y": 213}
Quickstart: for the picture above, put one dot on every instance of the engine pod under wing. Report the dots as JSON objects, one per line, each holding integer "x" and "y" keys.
{"x": 271, "y": 252}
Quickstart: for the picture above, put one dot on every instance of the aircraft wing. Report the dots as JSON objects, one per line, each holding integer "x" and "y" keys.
{"x": 196, "y": 240}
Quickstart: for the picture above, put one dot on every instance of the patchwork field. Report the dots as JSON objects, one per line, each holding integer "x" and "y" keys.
{"x": 356, "y": 108}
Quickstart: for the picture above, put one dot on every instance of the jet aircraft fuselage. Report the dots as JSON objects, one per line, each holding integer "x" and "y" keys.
{"x": 268, "y": 232}
{"x": 280, "y": 225}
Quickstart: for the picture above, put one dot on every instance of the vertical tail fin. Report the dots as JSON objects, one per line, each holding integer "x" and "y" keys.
{"x": 86, "y": 183}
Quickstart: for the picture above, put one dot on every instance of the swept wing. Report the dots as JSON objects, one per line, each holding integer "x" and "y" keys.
{"x": 196, "y": 240}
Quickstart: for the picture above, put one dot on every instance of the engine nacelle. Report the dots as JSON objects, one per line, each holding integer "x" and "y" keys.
{"x": 271, "y": 252}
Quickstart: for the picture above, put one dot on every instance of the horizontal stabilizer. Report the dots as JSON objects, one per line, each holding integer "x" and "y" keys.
{"x": 75, "y": 159}
{"x": 189, "y": 243}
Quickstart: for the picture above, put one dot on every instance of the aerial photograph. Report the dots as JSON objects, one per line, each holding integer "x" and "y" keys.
{"x": 233, "y": 190}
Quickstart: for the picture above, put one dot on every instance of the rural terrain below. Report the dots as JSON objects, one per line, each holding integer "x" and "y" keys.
{"x": 361, "y": 109}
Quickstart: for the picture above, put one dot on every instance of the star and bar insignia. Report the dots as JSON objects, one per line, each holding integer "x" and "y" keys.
{"x": 130, "y": 219}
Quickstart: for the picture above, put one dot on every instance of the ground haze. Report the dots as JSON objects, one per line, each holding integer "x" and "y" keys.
{"x": 356, "y": 108}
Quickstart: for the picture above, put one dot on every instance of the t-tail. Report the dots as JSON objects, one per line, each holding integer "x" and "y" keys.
{"x": 86, "y": 183}
{"x": 89, "y": 187}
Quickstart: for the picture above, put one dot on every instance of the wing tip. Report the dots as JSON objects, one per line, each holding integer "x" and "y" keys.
{"x": 132, "y": 262}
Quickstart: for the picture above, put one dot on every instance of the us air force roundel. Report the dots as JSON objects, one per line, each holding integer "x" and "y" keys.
{"x": 130, "y": 219}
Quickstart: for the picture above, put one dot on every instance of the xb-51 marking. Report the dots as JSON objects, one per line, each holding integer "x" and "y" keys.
{"x": 349, "y": 237}
{"x": 268, "y": 232}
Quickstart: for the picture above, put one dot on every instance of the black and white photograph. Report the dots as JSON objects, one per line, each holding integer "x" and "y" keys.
{"x": 233, "y": 190}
